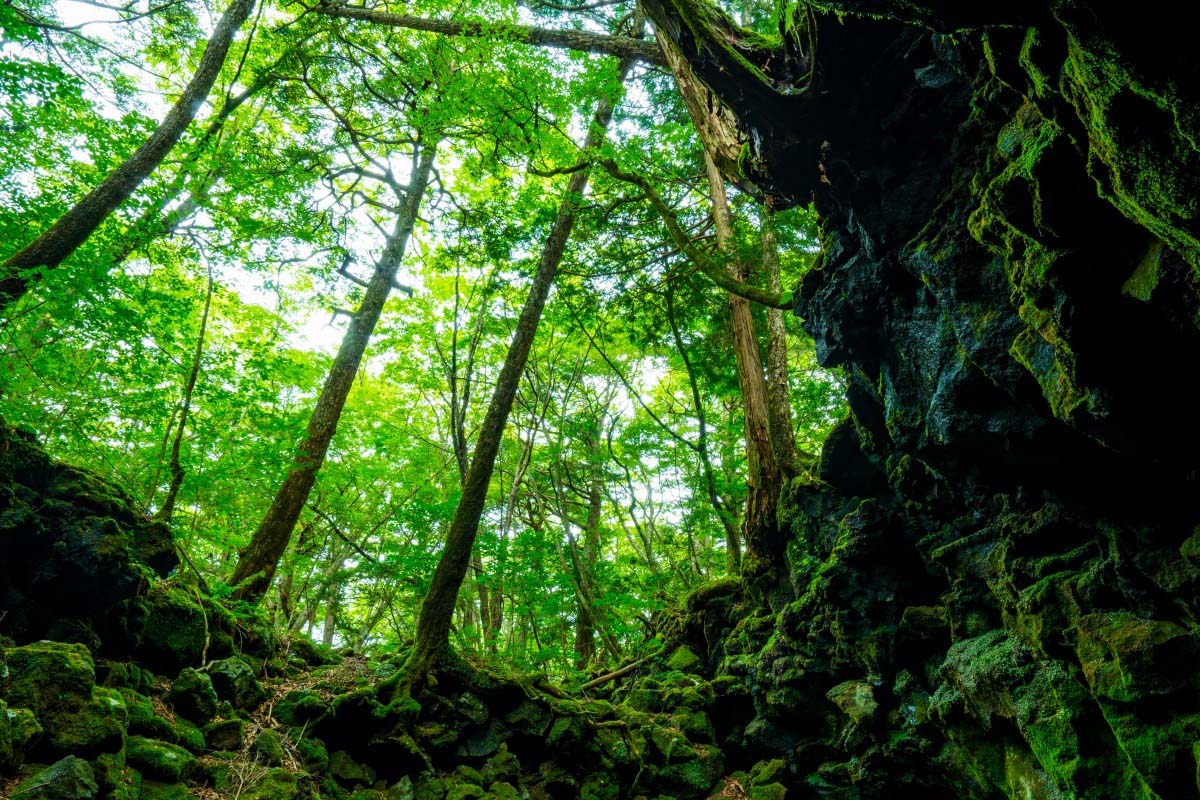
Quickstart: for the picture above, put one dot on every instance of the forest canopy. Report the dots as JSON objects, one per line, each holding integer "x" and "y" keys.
{"x": 279, "y": 324}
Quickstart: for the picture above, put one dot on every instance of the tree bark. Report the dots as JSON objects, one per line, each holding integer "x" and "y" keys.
{"x": 258, "y": 560}
{"x": 779, "y": 409}
{"x": 177, "y": 472}
{"x": 585, "y": 623}
{"x": 759, "y": 524}
{"x": 583, "y": 41}
{"x": 433, "y": 627}
{"x": 73, "y": 228}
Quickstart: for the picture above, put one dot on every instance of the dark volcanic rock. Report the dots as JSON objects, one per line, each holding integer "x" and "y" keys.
{"x": 993, "y": 590}
{"x": 72, "y": 545}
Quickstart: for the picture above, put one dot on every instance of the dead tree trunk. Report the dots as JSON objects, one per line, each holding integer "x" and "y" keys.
{"x": 258, "y": 560}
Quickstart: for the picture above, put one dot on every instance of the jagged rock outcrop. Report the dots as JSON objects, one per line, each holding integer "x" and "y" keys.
{"x": 993, "y": 591}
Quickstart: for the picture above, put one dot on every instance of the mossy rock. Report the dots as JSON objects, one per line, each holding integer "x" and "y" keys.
{"x": 312, "y": 753}
{"x": 310, "y": 653}
{"x": 276, "y": 784}
{"x": 235, "y": 681}
{"x": 124, "y": 675}
{"x": 95, "y": 728}
{"x": 18, "y": 728}
{"x": 268, "y": 748}
{"x": 765, "y": 772}
{"x": 159, "y": 760}
{"x": 696, "y": 726}
{"x": 464, "y": 791}
{"x": 503, "y": 791}
{"x": 225, "y": 734}
{"x": 301, "y": 707}
{"x": 169, "y": 629}
{"x": 503, "y": 766}
{"x": 692, "y": 777}
{"x": 856, "y": 699}
{"x": 430, "y": 788}
{"x": 193, "y": 696}
{"x": 768, "y": 791}
{"x": 684, "y": 660}
{"x": 157, "y": 790}
{"x": 599, "y": 786}
{"x": 56, "y": 681}
{"x": 71, "y": 778}
{"x": 189, "y": 736}
{"x": 348, "y": 772}
{"x": 47, "y": 675}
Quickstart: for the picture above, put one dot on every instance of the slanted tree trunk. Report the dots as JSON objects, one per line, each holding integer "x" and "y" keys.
{"x": 779, "y": 408}
{"x": 73, "y": 228}
{"x": 758, "y": 525}
{"x": 437, "y": 610}
{"x": 177, "y": 471}
{"x": 258, "y": 560}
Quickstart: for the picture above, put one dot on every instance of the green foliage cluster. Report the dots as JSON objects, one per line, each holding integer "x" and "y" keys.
{"x": 281, "y": 183}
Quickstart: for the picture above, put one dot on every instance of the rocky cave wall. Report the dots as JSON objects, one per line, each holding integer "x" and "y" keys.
{"x": 992, "y": 591}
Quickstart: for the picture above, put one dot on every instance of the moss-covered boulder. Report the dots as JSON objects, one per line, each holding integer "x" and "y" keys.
{"x": 72, "y": 546}
{"x": 267, "y": 748}
{"x": 225, "y": 734}
{"x": 348, "y": 772}
{"x": 158, "y": 790}
{"x": 235, "y": 681}
{"x": 18, "y": 727}
{"x": 158, "y": 760}
{"x": 276, "y": 784}
{"x": 46, "y": 675}
{"x": 193, "y": 696}
{"x": 68, "y": 779}
{"x": 300, "y": 707}
{"x": 170, "y": 626}
{"x": 55, "y": 681}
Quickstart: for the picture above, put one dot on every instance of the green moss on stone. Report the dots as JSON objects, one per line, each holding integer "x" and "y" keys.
{"x": 159, "y": 760}
{"x": 69, "y": 779}
{"x": 268, "y": 747}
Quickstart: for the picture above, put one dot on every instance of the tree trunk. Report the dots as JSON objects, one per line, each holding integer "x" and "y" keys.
{"x": 168, "y": 507}
{"x": 779, "y": 409}
{"x": 585, "y": 623}
{"x": 258, "y": 560}
{"x": 73, "y": 228}
{"x": 759, "y": 524}
{"x": 433, "y": 626}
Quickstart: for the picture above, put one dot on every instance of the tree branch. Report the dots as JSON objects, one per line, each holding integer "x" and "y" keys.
{"x": 715, "y": 272}
{"x": 583, "y": 41}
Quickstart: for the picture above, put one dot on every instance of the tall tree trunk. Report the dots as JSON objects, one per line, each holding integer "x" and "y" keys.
{"x": 433, "y": 626}
{"x": 759, "y": 524}
{"x": 73, "y": 228}
{"x": 779, "y": 409}
{"x": 585, "y": 623}
{"x": 168, "y": 507}
{"x": 258, "y": 560}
